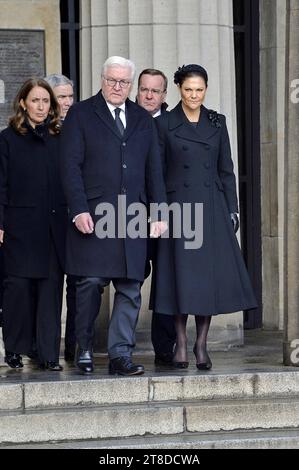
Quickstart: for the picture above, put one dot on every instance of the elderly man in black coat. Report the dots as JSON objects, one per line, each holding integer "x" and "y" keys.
{"x": 63, "y": 89}
{"x": 109, "y": 149}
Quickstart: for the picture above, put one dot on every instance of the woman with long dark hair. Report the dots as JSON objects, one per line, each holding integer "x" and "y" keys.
{"x": 33, "y": 217}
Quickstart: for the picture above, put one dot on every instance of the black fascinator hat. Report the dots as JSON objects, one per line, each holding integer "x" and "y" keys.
{"x": 190, "y": 70}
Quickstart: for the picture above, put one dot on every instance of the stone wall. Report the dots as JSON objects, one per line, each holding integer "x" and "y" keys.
{"x": 40, "y": 15}
{"x": 291, "y": 226}
{"x": 272, "y": 60}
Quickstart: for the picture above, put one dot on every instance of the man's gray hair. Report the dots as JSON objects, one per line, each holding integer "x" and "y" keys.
{"x": 116, "y": 61}
{"x": 56, "y": 79}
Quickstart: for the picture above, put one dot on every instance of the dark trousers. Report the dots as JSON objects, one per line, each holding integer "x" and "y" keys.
{"x": 32, "y": 309}
{"x": 70, "y": 335}
{"x": 122, "y": 326}
{"x": 163, "y": 333}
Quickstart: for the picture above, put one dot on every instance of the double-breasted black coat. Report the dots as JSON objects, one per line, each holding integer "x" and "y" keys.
{"x": 33, "y": 208}
{"x": 98, "y": 165}
{"x": 198, "y": 168}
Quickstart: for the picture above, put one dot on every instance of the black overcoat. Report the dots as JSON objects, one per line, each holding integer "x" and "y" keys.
{"x": 98, "y": 165}
{"x": 198, "y": 168}
{"x": 32, "y": 203}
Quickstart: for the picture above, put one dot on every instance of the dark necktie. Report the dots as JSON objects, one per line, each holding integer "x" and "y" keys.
{"x": 118, "y": 121}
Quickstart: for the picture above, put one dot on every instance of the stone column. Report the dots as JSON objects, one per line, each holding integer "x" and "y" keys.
{"x": 291, "y": 329}
{"x": 165, "y": 34}
{"x": 281, "y": 104}
{"x": 272, "y": 60}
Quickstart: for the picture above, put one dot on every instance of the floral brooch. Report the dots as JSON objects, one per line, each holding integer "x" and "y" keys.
{"x": 214, "y": 118}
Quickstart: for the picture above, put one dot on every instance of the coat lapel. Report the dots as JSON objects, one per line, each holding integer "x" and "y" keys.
{"x": 102, "y": 111}
{"x": 202, "y": 133}
{"x": 132, "y": 118}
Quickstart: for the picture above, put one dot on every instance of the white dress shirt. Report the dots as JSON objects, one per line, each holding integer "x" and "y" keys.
{"x": 122, "y": 116}
{"x": 122, "y": 113}
{"x": 157, "y": 113}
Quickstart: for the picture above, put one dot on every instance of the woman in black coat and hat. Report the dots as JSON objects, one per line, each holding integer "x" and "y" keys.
{"x": 33, "y": 218}
{"x": 210, "y": 279}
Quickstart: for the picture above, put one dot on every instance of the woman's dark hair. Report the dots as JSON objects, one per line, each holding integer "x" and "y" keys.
{"x": 18, "y": 119}
{"x": 187, "y": 71}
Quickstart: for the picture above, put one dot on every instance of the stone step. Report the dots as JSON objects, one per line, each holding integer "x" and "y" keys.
{"x": 286, "y": 439}
{"x": 112, "y": 421}
{"x": 263, "y": 439}
{"x": 88, "y": 408}
{"x": 90, "y": 423}
{"x": 87, "y": 391}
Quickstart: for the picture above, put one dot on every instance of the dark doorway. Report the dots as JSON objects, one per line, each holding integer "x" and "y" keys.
{"x": 246, "y": 38}
{"x": 70, "y": 23}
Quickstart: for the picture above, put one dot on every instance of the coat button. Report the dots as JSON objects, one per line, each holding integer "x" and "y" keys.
{"x": 207, "y": 184}
{"x": 123, "y": 190}
{"x": 207, "y": 165}
{"x": 124, "y": 144}
{"x": 186, "y": 166}
{"x": 185, "y": 147}
{"x": 53, "y": 211}
{"x": 186, "y": 185}
{"x": 124, "y": 166}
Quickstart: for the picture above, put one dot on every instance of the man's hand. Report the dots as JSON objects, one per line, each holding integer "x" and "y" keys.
{"x": 1, "y": 236}
{"x": 84, "y": 223}
{"x": 158, "y": 228}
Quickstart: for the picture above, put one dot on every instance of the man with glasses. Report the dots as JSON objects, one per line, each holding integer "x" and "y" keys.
{"x": 152, "y": 91}
{"x": 151, "y": 95}
{"x": 109, "y": 149}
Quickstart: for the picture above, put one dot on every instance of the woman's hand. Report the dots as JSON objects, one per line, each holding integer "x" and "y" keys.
{"x": 1, "y": 236}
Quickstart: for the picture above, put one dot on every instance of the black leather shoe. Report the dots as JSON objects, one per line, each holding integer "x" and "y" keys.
{"x": 180, "y": 364}
{"x": 85, "y": 360}
{"x": 52, "y": 366}
{"x": 203, "y": 365}
{"x": 124, "y": 366}
{"x": 163, "y": 359}
{"x": 14, "y": 360}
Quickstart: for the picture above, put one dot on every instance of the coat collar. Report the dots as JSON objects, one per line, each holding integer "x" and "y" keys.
{"x": 41, "y": 131}
{"x": 102, "y": 111}
{"x": 202, "y": 133}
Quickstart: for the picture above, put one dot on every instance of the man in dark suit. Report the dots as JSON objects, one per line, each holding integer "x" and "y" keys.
{"x": 63, "y": 89}
{"x": 109, "y": 149}
{"x": 152, "y": 90}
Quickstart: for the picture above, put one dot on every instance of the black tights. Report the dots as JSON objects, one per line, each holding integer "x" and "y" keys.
{"x": 200, "y": 346}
